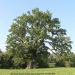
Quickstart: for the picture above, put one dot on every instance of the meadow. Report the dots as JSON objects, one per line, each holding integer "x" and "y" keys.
{"x": 45, "y": 71}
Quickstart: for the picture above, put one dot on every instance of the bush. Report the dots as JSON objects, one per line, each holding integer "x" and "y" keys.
{"x": 52, "y": 65}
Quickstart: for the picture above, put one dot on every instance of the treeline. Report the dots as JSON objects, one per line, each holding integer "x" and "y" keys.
{"x": 7, "y": 62}
{"x": 36, "y": 40}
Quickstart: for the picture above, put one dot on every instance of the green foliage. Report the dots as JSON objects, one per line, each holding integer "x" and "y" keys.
{"x": 5, "y": 61}
{"x": 29, "y": 35}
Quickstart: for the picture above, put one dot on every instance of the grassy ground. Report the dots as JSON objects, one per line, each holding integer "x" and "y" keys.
{"x": 47, "y": 71}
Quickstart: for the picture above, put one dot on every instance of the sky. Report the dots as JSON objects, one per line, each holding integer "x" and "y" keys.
{"x": 62, "y": 9}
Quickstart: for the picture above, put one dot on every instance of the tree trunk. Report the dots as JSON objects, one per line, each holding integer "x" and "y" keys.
{"x": 29, "y": 65}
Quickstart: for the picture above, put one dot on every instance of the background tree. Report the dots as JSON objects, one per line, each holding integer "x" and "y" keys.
{"x": 5, "y": 60}
{"x": 29, "y": 36}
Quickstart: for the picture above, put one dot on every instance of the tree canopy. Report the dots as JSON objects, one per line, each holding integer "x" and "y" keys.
{"x": 34, "y": 36}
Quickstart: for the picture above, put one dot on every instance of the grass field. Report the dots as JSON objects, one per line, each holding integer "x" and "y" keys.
{"x": 47, "y": 71}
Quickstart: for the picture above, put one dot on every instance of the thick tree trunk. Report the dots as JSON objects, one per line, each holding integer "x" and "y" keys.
{"x": 29, "y": 65}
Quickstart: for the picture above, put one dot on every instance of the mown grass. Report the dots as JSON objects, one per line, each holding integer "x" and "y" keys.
{"x": 45, "y": 71}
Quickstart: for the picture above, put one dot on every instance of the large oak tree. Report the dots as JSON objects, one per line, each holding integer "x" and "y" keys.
{"x": 33, "y": 36}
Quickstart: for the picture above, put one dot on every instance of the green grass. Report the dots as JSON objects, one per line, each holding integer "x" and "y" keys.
{"x": 47, "y": 71}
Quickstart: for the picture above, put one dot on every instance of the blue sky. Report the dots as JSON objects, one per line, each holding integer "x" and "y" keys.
{"x": 62, "y": 9}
